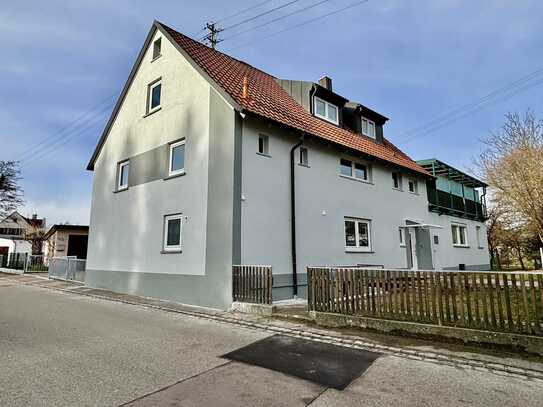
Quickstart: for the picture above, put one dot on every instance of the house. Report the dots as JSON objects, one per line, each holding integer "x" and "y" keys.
{"x": 66, "y": 240}
{"x": 207, "y": 162}
{"x": 19, "y": 234}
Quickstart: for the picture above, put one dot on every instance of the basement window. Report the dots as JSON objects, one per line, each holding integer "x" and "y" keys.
{"x": 325, "y": 110}
{"x": 156, "y": 48}
{"x": 172, "y": 232}
{"x": 357, "y": 235}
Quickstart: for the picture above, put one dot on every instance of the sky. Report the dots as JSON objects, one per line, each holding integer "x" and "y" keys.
{"x": 424, "y": 64}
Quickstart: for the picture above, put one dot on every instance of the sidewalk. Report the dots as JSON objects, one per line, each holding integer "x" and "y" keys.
{"x": 451, "y": 354}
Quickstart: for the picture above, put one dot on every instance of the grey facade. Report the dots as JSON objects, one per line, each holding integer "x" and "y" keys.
{"x": 235, "y": 202}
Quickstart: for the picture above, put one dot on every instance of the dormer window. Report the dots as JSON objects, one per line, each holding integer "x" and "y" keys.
{"x": 368, "y": 127}
{"x": 325, "y": 110}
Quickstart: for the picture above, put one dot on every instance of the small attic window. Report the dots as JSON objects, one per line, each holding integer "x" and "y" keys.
{"x": 156, "y": 48}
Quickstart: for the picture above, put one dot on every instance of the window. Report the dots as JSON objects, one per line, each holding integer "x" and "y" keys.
{"x": 177, "y": 158}
{"x": 413, "y": 186}
{"x": 123, "y": 171}
{"x": 459, "y": 235}
{"x": 153, "y": 96}
{"x": 325, "y": 110}
{"x": 304, "y": 156}
{"x": 397, "y": 180}
{"x": 478, "y": 236}
{"x": 402, "y": 236}
{"x": 353, "y": 169}
{"x": 368, "y": 127}
{"x": 263, "y": 145}
{"x": 436, "y": 239}
{"x": 156, "y": 48}
{"x": 172, "y": 232}
{"x": 357, "y": 235}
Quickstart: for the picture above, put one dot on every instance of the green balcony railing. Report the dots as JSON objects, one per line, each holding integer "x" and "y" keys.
{"x": 445, "y": 202}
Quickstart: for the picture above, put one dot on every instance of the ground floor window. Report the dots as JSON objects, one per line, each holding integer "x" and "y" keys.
{"x": 357, "y": 234}
{"x": 172, "y": 232}
{"x": 459, "y": 235}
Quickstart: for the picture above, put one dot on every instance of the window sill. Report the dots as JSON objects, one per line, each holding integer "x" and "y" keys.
{"x": 398, "y": 189}
{"x": 461, "y": 246}
{"x": 403, "y": 245}
{"x": 158, "y": 109}
{"x": 174, "y": 176}
{"x": 327, "y": 120}
{"x": 120, "y": 190}
{"x": 304, "y": 165}
{"x": 263, "y": 154}
{"x": 355, "y": 250}
{"x": 155, "y": 58}
{"x": 176, "y": 251}
{"x": 356, "y": 179}
{"x": 413, "y": 193}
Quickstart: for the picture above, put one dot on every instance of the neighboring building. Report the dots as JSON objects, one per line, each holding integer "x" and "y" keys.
{"x": 19, "y": 234}
{"x": 193, "y": 174}
{"x": 66, "y": 240}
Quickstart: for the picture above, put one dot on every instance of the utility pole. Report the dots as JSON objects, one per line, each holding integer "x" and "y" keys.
{"x": 212, "y": 36}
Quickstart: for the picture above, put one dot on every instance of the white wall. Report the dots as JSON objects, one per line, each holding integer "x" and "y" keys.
{"x": 323, "y": 199}
{"x": 126, "y": 228}
{"x": 18, "y": 246}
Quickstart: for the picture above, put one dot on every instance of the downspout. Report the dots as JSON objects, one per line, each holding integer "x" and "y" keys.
{"x": 293, "y": 216}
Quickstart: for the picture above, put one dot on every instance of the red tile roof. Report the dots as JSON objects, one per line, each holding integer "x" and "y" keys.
{"x": 267, "y": 98}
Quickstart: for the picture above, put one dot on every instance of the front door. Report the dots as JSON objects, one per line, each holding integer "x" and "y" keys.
{"x": 424, "y": 249}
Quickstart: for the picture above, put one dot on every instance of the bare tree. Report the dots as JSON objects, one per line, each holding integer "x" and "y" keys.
{"x": 512, "y": 166}
{"x": 11, "y": 192}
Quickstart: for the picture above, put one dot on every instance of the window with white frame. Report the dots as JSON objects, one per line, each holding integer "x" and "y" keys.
{"x": 479, "y": 237}
{"x": 123, "y": 171}
{"x": 368, "y": 127}
{"x": 459, "y": 235}
{"x": 154, "y": 91}
{"x": 401, "y": 232}
{"x": 325, "y": 110}
{"x": 177, "y": 158}
{"x": 413, "y": 186}
{"x": 263, "y": 145}
{"x": 172, "y": 232}
{"x": 357, "y": 234}
{"x": 304, "y": 159}
{"x": 156, "y": 48}
{"x": 353, "y": 169}
{"x": 396, "y": 180}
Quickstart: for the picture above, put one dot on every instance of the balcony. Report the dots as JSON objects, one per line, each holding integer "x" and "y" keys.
{"x": 447, "y": 203}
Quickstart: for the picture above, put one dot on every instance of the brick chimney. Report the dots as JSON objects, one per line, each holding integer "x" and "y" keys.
{"x": 326, "y": 82}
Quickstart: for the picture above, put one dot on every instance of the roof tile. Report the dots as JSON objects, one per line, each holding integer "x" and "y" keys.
{"x": 267, "y": 98}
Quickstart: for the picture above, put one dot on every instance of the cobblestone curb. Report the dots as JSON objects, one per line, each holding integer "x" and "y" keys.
{"x": 326, "y": 337}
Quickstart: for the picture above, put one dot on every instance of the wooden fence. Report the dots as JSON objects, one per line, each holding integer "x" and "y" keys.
{"x": 494, "y": 301}
{"x": 252, "y": 284}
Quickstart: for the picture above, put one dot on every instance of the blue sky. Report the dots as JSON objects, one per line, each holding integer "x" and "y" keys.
{"x": 413, "y": 61}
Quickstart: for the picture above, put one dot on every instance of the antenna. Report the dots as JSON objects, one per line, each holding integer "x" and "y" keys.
{"x": 212, "y": 36}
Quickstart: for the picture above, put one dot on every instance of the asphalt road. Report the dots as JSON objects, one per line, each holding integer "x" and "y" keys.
{"x": 58, "y": 349}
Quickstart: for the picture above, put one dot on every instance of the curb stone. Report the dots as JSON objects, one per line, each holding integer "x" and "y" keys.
{"x": 432, "y": 357}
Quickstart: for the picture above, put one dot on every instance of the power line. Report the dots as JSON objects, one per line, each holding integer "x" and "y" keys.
{"x": 312, "y": 20}
{"x": 220, "y": 20}
{"x": 70, "y": 127}
{"x": 56, "y": 143}
{"x": 262, "y": 14}
{"x": 276, "y": 19}
{"x": 454, "y": 115}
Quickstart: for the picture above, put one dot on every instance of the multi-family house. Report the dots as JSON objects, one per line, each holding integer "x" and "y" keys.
{"x": 207, "y": 162}
{"x": 19, "y": 234}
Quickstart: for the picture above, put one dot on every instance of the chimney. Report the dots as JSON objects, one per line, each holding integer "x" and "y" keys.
{"x": 245, "y": 88}
{"x": 326, "y": 82}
